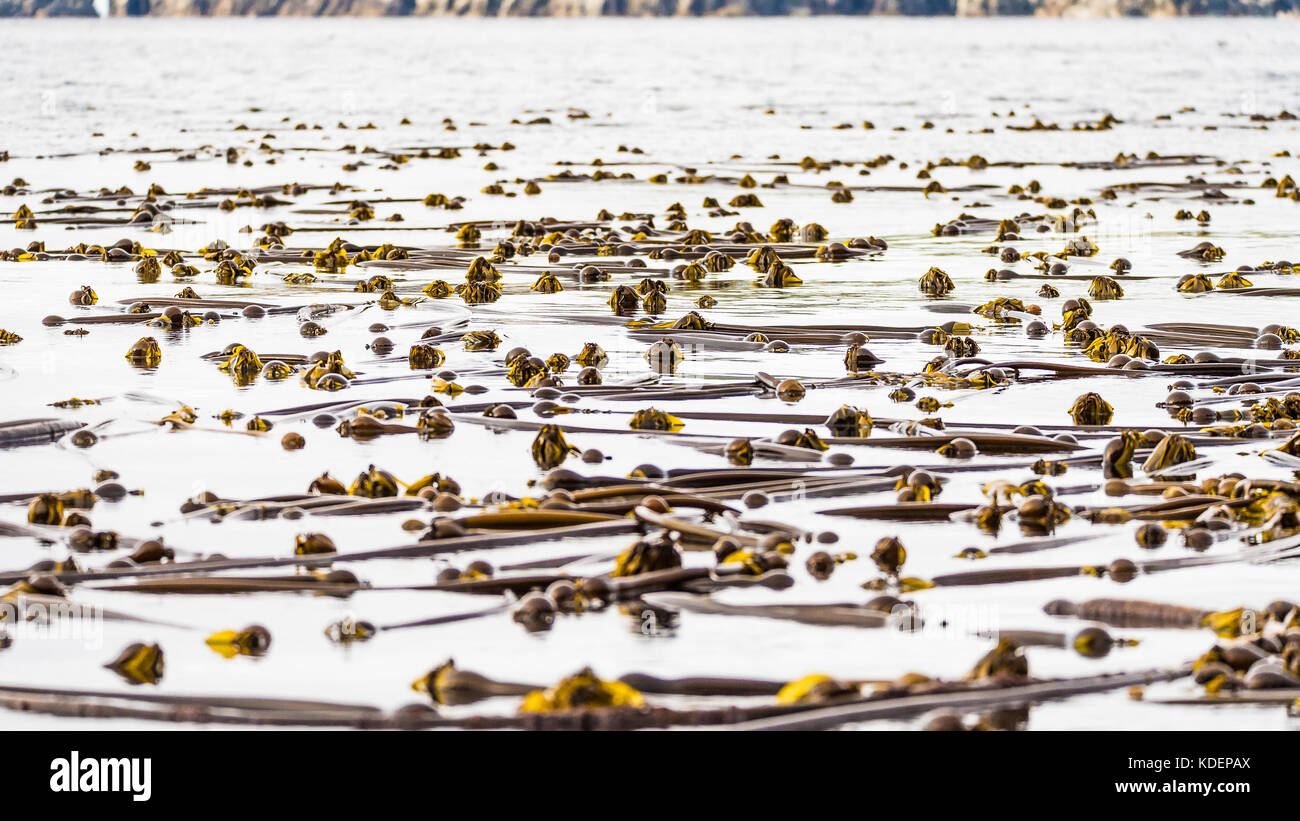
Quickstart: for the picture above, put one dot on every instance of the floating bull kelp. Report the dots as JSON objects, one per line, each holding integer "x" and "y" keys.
{"x": 145, "y": 353}
{"x": 139, "y": 664}
{"x": 935, "y": 282}
{"x": 550, "y": 448}
{"x": 241, "y": 363}
{"x": 1172, "y": 450}
{"x": 251, "y": 641}
{"x": 582, "y": 691}
{"x": 481, "y": 341}
{"x": 654, "y": 419}
{"x": 329, "y": 374}
{"x": 858, "y": 358}
{"x": 683, "y": 489}
{"x": 646, "y": 556}
{"x": 1091, "y": 409}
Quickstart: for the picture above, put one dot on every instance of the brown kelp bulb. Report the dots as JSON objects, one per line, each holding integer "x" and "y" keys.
{"x": 592, "y": 456}
{"x": 1198, "y": 538}
{"x": 110, "y": 491}
{"x": 342, "y": 577}
{"x": 83, "y": 439}
{"x": 755, "y": 499}
{"x": 382, "y": 345}
{"x": 254, "y": 312}
{"x": 444, "y": 527}
{"x": 332, "y": 382}
{"x": 889, "y": 554}
{"x": 645, "y": 470}
{"x": 293, "y": 441}
{"x": 656, "y": 503}
{"x": 377, "y": 328}
{"x": 1122, "y": 570}
{"x": 887, "y": 604}
{"x": 564, "y": 593}
{"x": 840, "y": 459}
{"x": 1268, "y": 342}
{"x": 1279, "y": 609}
{"x": 1093, "y": 643}
{"x": 310, "y": 543}
{"x": 827, "y": 537}
{"x": 1204, "y": 416}
{"x": 447, "y": 574}
{"x": 1211, "y": 670}
{"x": 53, "y": 320}
{"x": 595, "y": 589}
{"x": 820, "y": 565}
{"x": 944, "y": 722}
{"x": 724, "y": 547}
{"x": 152, "y": 551}
{"x": 560, "y": 495}
{"x": 1178, "y": 399}
{"x": 535, "y": 608}
{"x": 1060, "y": 607}
{"x": 445, "y": 502}
{"x": 1116, "y": 487}
{"x": 962, "y": 448}
{"x": 1228, "y": 485}
{"x": 921, "y": 478}
{"x": 790, "y": 390}
{"x": 1151, "y": 535}
{"x": 1035, "y": 507}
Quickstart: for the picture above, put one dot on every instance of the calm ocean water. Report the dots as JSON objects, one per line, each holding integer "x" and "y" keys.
{"x": 688, "y": 92}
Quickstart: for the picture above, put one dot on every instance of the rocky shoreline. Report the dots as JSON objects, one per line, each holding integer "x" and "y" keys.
{"x": 650, "y": 8}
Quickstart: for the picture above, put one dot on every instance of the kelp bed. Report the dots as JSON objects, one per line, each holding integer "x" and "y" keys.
{"x": 757, "y": 442}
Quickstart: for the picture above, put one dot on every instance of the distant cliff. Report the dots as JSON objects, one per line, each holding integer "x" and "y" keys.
{"x": 525, "y": 8}
{"x": 645, "y": 8}
{"x": 47, "y": 8}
